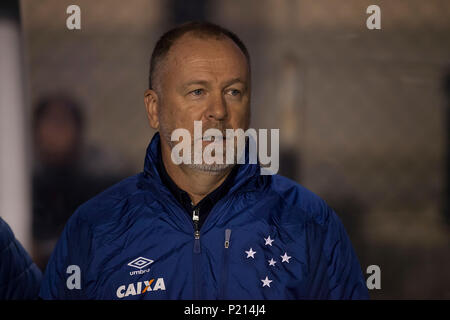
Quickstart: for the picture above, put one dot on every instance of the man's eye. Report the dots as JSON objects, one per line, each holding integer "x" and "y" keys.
{"x": 234, "y": 92}
{"x": 197, "y": 92}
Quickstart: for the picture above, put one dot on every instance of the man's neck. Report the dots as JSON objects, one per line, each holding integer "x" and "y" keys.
{"x": 198, "y": 184}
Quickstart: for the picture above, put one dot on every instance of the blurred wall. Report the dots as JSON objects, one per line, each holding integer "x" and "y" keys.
{"x": 14, "y": 173}
{"x": 105, "y": 65}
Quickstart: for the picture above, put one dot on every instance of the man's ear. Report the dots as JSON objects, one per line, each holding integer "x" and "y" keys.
{"x": 151, "y": 101}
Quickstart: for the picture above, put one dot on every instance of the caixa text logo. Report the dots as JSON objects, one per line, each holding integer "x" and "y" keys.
{"x": 138, "y": 288}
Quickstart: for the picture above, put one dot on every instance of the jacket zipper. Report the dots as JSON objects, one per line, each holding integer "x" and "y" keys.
{"x": 197, "y": 254}
{"x": 197, "y": 246}
{"x": 224, "y": 276}
{"x": 196, "y": 219}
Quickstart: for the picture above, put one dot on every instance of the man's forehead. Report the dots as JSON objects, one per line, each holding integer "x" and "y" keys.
{"x": 192, "y": 51}
{"x": 190, "y": 40}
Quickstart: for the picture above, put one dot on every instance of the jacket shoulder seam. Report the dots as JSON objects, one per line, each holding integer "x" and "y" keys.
{"x": 293, "y": 206}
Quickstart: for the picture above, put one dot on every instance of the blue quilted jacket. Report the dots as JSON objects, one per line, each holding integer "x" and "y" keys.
{"x": 20, "y": 278}
{"x": 268, "y": 238}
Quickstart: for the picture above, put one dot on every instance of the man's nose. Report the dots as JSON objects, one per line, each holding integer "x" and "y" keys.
{"x": 217, "y": 108}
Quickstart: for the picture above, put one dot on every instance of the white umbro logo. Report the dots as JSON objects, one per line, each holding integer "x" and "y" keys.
{"x": 140, "y": 263}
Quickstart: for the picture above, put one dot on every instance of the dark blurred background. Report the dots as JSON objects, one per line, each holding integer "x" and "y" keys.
{"x": 364, "y": 115}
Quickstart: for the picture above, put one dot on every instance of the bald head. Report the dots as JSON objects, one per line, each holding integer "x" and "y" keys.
{"x": 198, "y": 30}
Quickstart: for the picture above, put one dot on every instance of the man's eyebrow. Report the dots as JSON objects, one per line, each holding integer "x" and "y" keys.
{"x": 205, "y": 82}
{"x": 192, "y": 82}
{"x": 233, "y": 81}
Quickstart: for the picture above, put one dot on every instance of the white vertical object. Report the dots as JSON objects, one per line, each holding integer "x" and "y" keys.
{"x": 14, "y": 172}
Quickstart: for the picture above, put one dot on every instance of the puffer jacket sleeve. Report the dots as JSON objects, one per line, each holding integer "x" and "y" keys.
{"x": 65, "y": 275}
{"x": 20, "y": 278}
{"x": 336, "y": 270}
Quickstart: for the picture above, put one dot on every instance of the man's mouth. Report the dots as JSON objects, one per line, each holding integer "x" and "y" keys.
{"x": 213, "y": 138}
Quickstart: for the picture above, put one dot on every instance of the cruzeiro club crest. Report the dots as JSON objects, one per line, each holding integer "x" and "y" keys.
{"x": 270, "y": 263}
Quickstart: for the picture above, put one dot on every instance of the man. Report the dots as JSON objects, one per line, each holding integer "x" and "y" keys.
{"x": 62, "y": 177}
{"x": 202, "y": 231}
{"x": 20, "y": 278}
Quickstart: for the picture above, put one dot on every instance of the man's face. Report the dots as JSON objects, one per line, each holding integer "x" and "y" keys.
{"x": 57, "y": 135}
{"x": 204, "y": 80}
